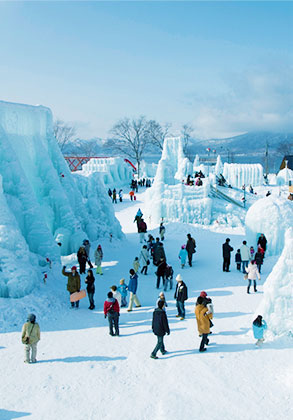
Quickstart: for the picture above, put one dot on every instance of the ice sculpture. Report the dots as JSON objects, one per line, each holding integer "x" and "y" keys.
{"x": 239, "y": 174}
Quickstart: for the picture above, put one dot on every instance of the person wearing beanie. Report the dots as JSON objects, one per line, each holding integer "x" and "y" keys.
{"x": 122, "y": 289}
{"x": 111, "y": 311}
{"x": 180, "y": 296}
{"x": 203, "y": 322}
{"x": 160, "y": 327}
{"x": 73, "y": 283}
{"x": 227, "y": 249}
{"x": 30, "y": 336}
{"x": 132, "y": 287}
{"x": 207, "y": 302}
{"x": 183, "y": 255}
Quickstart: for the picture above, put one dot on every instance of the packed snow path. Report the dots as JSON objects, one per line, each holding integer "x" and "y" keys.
{"x": 83, "y": 373}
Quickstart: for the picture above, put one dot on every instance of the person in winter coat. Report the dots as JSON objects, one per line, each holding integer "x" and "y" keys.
{"x": 162, "y": 231}
{"x": 252, "y": 252}
{"x": 207, "y": 301}
{"x": 163, "y": 298}
{"x": 73, "y": 283}
{"x": 82, "y": 259}
{"x": 120, "y": 195}
{"x": 114, "y": 196}
{"x": 160, "y": 327}
{"x": 245, "y": 256}
{"x": 190, "y": 248}
{"x": 253, "y": 274}
{"x": 132, "y": 287}
{"x": 180, "y": 296}
{"x": 98, "y": 259}
{"x": 183, "y": 255}
{"x": 116, "y": 294}
{"x": 137, "y": 218}
{"x": 259, "y": 325}
{"x": 168, "y": 277}
{"x": 203, "y": 323}
{"x": 136, "y": 264}
{"x": 227, "y": 249}
{"x": 30, "y": 336}
{"x": 142, "y": 228}
{"x": 90, "y": 288}
{"x": 259, "y": 259}
{"x": 110, "y": 192}
{"x": 262, "y": 241}
{"x": 122, "y": 289}
{"x": 111, "y": 310}
{"x": 144, "y": 258}
{"x": 87, "y": 246}
{"x": 161, "y": 272}
{"x": 238, "y": 260}
{"x": 158, "y": 252}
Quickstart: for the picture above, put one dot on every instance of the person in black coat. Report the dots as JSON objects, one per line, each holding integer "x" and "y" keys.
{"x": 262, "y": 241}
{"x": 158, "y": 252}
{"x": 82, "y": 259}
{"x": 90, "y": 288}
{"x": 258, "y": 260}
{"x": 227, "y": 249}
{"x": 161, "y": 272}
{"x": 190, "y": 248}
{"x": 160, "y": 327}
{"x": 180, "y": 296}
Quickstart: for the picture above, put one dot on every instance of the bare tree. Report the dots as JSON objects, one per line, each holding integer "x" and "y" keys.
{"x": 157, "y": 133}
{"x": 131, "y": 138}
{"x": 186, "y": 133}
{"x": 64, "y": 133}
{"x": 88, "y": 148}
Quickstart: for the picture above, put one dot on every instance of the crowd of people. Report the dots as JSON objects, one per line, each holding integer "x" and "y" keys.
{"x": 247, "y": 261}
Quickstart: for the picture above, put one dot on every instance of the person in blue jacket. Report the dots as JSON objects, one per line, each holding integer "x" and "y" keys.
{"x": 259, "y": 325}
{"x": 183, "y": 254}
{"x": 132, "y": 287}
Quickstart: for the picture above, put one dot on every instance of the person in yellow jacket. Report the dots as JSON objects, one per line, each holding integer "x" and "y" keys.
{"x": 203, "y": 322}
{"x": 30, "y": 336}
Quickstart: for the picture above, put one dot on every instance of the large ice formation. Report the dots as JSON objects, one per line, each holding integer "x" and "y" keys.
{"x": 147, "y": 170}
{"x": 239, "y": 174}
{"x": 277, "y": 304}
{"x": 284, "y": 176}
{"x": 219, "y": 166}
{"x": 115, "y": 172}
{"x": 271, "y": 216}
{"x": 41, "y": 197}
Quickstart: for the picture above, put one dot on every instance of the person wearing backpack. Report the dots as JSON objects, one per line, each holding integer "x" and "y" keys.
{"x": 111, "y": 311}
{"x": 30, "y": 336}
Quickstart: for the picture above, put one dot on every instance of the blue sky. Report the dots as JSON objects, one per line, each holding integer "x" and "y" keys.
{"x": 224, "y": 67}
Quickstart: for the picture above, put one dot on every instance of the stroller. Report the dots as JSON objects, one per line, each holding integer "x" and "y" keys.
{"x": 168, "y": 277}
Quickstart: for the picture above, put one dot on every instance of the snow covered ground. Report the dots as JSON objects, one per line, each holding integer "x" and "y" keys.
{"x": 83, "y": 373}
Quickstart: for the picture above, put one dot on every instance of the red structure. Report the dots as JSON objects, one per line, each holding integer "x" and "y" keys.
{"x": 75, "y": 162}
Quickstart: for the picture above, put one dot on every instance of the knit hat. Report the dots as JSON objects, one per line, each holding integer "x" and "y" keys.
{"x": 179, "y": 278}
{"x": 74, "y": 268}
{"x": 183, "y": 246}
{"x": 203, "y": 294}
{"x": 31, "y": 318}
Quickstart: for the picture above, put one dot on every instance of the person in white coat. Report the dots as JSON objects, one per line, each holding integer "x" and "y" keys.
{"x": 144, "y": 258}
{"x": 116, "y": 294}
{"x": 252, "y": 274}
{"x": 245, "y": 256}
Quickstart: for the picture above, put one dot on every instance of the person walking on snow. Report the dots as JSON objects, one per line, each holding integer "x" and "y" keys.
{"x": 158, "y": 252}
{"x": 161, "y": 272}
{"x": 144, "y": 258}
{"x": 180, "y": 296}
{"x": 111, "y": 310}
{"x": 137, "y": 218}
{"x": 162, "y": 231}
{"x": 87, "y": 246}
{"x": 183, "y": 255}
{"x": 203, "y": 322}
{"x": 98, "y": 259}
{"x": 259, "y": 326}
{"x": 90, "y": 288}
{"x": 163, "y": 298}
{"x": 190, "y": 248}
{"x": 262, "y": 241}
{"x": 132, "y": 287}
{"x": 238, "y": 260}
{"x": 120, "y": 195}
{"x": 259, "y": 259}
{"x": 122, "y": 289}
{"x": 160, "y": 327}
{"x": 207, "y": 301}
{"x": 252, "y": 275}
{"x": 30, "y": 336}
{"x": 142, "y": 229}
{"x": 116, "y": 294}
{"x": 245, "y": 255}
{"x": 136, "y": 264}
{"x": 82, "y": 259}
{"x": 114, "y": 197}
{"x": 227, "y": 249}
{"x": 73, "y": 283}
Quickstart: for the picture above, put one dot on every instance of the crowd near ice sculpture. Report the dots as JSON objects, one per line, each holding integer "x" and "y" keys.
{"x": 271, "y": 216}
{"x": 238, "y": 175}
{"x": 41, "y": 202}
{"x": 276, "y": 306}
{"x": 114, "y": 171}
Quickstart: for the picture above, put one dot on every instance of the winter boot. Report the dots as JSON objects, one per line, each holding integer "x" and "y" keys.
{"x": 255, "y": 289}
{"x": 248, "y": 289}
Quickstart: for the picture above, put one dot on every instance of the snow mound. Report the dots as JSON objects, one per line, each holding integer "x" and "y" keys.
{"x": 240, "y": 174}
{"x": 271, "y": 216}
{"x": 284, "y": 176}
{"x": 277, "y": 307}
{"x": 115, "y": 172}
{"x": 40, "y": 199}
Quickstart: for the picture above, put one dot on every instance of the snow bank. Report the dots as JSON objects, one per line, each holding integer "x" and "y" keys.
{"x": 271, "y": 216}
{"x": 41, "y": 197}
{"x": 277, "y": 307}
{"x": 240, "y": 174}
{"x": 115, "y": 172}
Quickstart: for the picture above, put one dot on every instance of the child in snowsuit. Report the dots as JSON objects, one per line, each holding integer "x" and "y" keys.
{"x": 238, "y": 260}
{"x": 30, "y": 336}
{"x": 122, "y": 289}
{"x": 259, "y": 325}
{"x": 183, "y": 254}
{"x": 136, "y": 264}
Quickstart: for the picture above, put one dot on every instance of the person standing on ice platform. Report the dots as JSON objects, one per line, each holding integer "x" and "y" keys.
{"x": 227, "y": 249}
